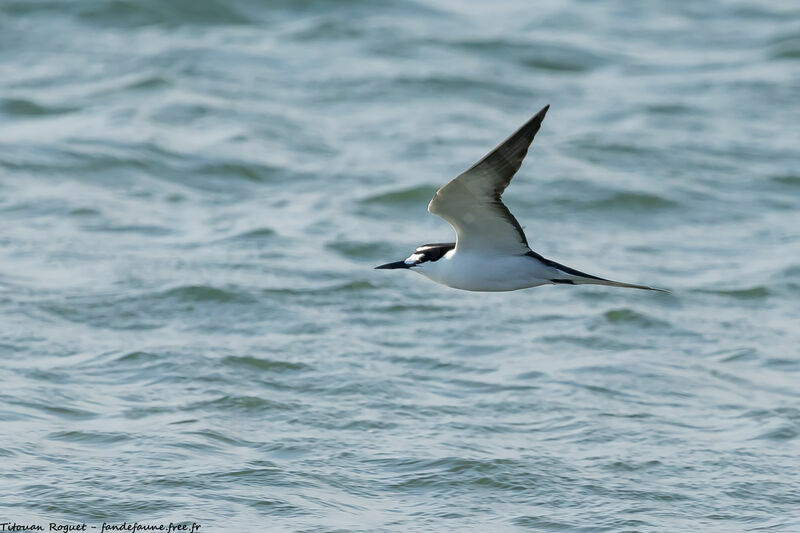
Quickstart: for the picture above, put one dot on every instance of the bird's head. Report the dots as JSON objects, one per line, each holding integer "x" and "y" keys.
{"x": 427, "y": 253}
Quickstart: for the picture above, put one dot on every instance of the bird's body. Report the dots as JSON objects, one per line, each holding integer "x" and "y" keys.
{"x": 474, "y": 271}
{"x": 491, "y": 252}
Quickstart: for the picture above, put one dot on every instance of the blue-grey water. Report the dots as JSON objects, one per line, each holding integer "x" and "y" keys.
{"x": 193, "y": 195}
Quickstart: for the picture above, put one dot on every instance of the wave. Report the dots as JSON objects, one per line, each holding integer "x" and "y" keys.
{"x": 625, "y": 316}
{"x": 404, "y": 196}
{"x": 23, "y": 107}
{"x": 758, "y": 292}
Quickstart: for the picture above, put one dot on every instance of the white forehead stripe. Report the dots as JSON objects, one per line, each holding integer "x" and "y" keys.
{"x": 413, "y": 258}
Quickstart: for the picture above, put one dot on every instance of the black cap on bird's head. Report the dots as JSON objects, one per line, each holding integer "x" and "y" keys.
{"x": 423, "y": 254}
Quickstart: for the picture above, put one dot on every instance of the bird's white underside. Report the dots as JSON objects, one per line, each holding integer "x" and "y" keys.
{"x": 476, "y": 271}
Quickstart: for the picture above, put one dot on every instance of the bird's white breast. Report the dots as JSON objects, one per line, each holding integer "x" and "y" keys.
{"x": 474, "y": 271}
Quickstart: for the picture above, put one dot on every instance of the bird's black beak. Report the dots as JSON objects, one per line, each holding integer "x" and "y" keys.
{"x": 396, "y": 264}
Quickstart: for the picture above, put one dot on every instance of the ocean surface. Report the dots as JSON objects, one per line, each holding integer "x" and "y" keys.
{"x": 193, "y": 195}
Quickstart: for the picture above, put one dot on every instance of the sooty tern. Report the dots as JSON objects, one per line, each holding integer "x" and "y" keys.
{"x": 491, "y": 252}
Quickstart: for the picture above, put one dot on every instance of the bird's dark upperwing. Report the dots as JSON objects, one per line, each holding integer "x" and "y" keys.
{"x": 471, "y": 202}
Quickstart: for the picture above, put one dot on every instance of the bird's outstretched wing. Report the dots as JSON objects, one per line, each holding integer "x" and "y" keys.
{"x": 471, "y": 202}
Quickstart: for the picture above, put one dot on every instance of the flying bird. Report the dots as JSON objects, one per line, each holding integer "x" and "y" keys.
{"x": 491, "y": 252}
